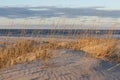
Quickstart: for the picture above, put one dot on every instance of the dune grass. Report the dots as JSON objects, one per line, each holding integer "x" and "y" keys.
{"x": 23, "y": 50}
{"x": 26, "y": 50}
{"x": 103, "y": 48}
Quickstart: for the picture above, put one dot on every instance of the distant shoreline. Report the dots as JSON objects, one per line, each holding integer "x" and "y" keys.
{"x": 37, "y": 32}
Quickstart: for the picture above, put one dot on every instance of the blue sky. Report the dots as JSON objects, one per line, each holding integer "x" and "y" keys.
{"x": 99, "y": 12}
{"x": 109, "y": 4}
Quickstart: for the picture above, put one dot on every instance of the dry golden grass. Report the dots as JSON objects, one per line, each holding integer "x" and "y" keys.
{"x": 26, "y": 50}
{"x": 103, "y": 48}
{"x": 22, "y": 51}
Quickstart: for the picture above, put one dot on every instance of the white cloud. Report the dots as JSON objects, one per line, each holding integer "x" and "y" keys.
{"x": 38, "y": 9}
{"x": 59, "y": 22}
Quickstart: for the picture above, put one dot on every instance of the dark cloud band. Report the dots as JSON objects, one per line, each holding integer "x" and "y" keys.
{"x": 25, "y": 12}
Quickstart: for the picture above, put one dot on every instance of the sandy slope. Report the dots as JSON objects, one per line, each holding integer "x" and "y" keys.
{"x": 69, "y": 65}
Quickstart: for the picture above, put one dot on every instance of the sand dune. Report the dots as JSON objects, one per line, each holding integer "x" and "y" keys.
{"x": 69, "y": 65}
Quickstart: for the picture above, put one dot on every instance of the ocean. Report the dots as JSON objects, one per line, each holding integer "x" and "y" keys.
{"x": 65, "y": 32}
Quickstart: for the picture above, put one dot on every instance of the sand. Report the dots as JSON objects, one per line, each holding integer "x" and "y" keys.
{"x": 68, "y": 65}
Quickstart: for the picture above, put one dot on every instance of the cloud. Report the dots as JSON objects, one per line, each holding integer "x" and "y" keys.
{"x": 49, "y": 12}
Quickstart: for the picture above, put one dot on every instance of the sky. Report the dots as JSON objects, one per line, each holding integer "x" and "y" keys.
{"x": 16, "y": 13}
{"x": 109, "y": 4}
